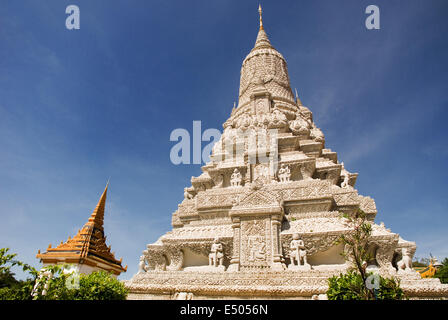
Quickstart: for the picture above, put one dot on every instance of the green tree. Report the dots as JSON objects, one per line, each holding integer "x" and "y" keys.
{"x": 353, "y": 285}
{"x": 7, "y": 261}
{"x": 442, "y": 273}
{"x": 423, "y": 262}
{"x": 356, "y": 244}
{"x": 100, "y": 285}
{"x": 11, "y": 288}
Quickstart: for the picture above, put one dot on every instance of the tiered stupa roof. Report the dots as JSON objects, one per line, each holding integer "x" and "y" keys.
{"x": 88, "y": 246}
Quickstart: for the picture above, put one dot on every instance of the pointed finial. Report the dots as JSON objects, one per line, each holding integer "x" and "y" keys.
{"x": 261, "y": 19}
{"x": 297, "y": 98}
{"x": 98, "y": 214}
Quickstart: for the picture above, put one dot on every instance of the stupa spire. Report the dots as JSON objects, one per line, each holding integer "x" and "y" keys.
{"x": 260, "y": 11}
{"x": 97, "y": 216}
{"x": 264, "y": 68}
{"x": 262, "y": 38}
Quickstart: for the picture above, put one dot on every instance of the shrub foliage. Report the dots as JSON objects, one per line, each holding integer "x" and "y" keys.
{"x": 442, "y": 273}
{"x": 99, "y": 285}
{"x": 350, "y": 286}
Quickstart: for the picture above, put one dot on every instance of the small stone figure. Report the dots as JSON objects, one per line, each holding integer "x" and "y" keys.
{"x": 236, "y": 178}
{"x": 216, "y": 256}
{"x": 345, "y": 174}
{"x": 405, "y": 264}
{"x": 257, "y": 248}
{"x": 188, "y": 194}
{"x": 317, "y": 134}
{"x": 142, "y": 265}
{"x": 344, "y": 183}
{"x": 298, "y": 253}
{"x": 183, "y": 296}
{"x": 284, "y": 173}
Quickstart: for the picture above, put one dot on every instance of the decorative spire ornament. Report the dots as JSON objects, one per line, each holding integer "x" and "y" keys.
{"x": 299, "y": 103}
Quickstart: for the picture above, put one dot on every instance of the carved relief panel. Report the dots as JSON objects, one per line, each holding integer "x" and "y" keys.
{"x": 261, "y": 172}
{"x": 262, "y": 106}
{"x": 255, "y": 242}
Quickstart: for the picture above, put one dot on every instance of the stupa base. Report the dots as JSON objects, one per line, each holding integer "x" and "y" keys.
{"x": 287, "y": 284}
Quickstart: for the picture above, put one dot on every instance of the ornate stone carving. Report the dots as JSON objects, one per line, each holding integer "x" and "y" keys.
{"x": 298, "y": 254}
{"x": 314, "y": 242}
{"x": 257, "y": 248}
{"x": 284, "y": 173}
{"x": 277, "y": 120}
{"x": 299, "y": 126}
{"x": 317, "y": 135}
{"x": 345, "y": 175}
{"x": 236, "y": 178}
{"x": 218, "y": 181}
{"x": 216, "y": 256}
{"x": 183, "y": 296}
{"x": 189, "y": 193}
{"x": 142, "y": 264}
{"x": 405, "y": 264}
{"x": 385, "y": 253}
{"x": 261, "y": 173}
{"x": 255, "y": 242}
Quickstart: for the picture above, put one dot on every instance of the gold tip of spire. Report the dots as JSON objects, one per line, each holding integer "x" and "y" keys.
{"x": 261, "y": 18}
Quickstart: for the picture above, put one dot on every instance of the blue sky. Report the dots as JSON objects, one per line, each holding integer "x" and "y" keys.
{"x": 80, "y": 106}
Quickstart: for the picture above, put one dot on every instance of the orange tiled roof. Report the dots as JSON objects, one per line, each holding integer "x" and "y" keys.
{"x": 88, "y": 245}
